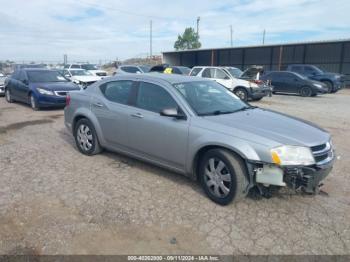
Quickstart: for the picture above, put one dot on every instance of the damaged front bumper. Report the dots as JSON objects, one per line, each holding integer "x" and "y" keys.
{"x": 306, "y": 178}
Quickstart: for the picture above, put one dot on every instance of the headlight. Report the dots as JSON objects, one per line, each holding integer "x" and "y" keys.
{"x": 292, "y": 155}
{"x": 45, "y": 92}
{"x": 318, "y": 85}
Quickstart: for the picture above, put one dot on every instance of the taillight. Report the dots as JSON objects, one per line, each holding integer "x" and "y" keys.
{"x": 258, "y": 82}
{"x": 67, "y": 100}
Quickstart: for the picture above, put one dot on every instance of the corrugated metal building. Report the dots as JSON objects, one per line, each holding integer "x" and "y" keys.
{"x": 332, "y": 56}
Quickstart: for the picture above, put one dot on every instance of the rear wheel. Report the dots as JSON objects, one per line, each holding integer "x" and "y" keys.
{"x": 306, "y": 91}
{"x": 222, "y": 176}
{"x": 8, "y": 96}
{"x": 241, "y": 93}
{"x": 86, "y": 138}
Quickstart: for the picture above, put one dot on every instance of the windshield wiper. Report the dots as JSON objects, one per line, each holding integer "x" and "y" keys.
{"x": 245, "y": 108}
{"x": 217, "y": 112}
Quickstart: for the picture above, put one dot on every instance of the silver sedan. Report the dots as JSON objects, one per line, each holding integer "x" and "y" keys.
{"x": 198, "y": 128}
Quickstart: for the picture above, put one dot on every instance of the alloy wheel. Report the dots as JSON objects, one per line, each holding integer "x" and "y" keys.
{"x": 217, "y": 177}
{"x": 84, "y": 137}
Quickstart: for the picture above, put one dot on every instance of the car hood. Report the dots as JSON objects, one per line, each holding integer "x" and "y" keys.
{"x": 267, "y": 127}
{"x": 56, "y": 86}
{"x": 86, "y": 78}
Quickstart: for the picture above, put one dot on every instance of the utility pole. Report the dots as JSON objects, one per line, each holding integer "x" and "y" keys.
{"x": 150, "y": 40}
{"x": 264, "y": 33}
{"x": 231, "y": 34}
{"x": 198, "y": 19}
{"x": 65, "y": 59}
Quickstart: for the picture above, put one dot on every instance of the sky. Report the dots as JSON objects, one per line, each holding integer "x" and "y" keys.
{"x": 94, "y": 30}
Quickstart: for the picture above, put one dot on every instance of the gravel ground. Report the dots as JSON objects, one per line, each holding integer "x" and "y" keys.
{"x": 54, "y": 200}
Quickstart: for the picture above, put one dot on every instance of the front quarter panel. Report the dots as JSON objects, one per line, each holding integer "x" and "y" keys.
{"x": 200, "y": 138}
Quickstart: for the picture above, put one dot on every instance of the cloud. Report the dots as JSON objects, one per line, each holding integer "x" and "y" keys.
{"x": 83, "y": 15}
{"x": 91, "y": 30}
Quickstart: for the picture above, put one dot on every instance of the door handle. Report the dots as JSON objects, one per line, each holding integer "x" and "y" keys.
{"x": 98, "y": 104}
{"x": 138, "y": 115}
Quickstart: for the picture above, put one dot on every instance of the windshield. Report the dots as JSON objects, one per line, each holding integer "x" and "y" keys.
{"x": 145, "y": 68}
{"x": 80, "y": 73}
{"x": 45, "y": 76}
{"x": 235, "y": 72}
{"x": 89, "y": 67}
{"x": 210, "y": 98}
{"x": 317, "y": 70}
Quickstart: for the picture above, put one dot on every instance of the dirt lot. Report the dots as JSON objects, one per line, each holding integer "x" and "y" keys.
{"x": 54, "y": 200}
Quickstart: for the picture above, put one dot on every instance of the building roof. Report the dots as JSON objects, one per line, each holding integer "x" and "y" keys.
{"x": 255, "y": 46}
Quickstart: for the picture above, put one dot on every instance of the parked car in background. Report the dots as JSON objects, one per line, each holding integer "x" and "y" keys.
{"x": 294, "y": 83}
{"x": 333, "y": 81}
{"x": 226, "y": 144}
{"x": 179, "y": 70}
{"x": 132, "y": 69}
{"x": 81, "y": 77}
{"x": 159, "y": 68}
{"x": 2, "y": 84}
{"x": 38, "y": 88}
{"x": 243, "y": 89}
{"x": 93, "y": 69}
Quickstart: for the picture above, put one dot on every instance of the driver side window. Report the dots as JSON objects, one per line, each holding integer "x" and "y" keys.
{"x": 154, "y": 98}
{"x": 219, "y": 74}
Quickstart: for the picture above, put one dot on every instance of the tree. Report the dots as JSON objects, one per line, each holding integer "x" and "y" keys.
{"x": 188, "y": 40}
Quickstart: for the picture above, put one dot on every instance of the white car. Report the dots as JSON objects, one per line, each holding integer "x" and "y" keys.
{"x": 81, "y": 77}
{"x": 228, "y": 77}
{"x": 89, "y": 67}
{"x": 2, "y": 84}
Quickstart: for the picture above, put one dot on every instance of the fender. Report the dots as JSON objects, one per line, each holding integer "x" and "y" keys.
{"x": 86, "y": 112}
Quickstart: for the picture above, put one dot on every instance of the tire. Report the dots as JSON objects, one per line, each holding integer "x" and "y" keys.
{"x": 33, "y": 103}
{"x": 86, "y": 138}
{"x": 329, "y": 85}
{"x": 306, "y": 91}
{"x": 8, "y": 96}
{"x": 222, "y": 176}
{"x": 241, "y": 93}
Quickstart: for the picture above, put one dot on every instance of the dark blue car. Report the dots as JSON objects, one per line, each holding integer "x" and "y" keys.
{"x": 333, "y": 81}
{"x": 39, "y": 88}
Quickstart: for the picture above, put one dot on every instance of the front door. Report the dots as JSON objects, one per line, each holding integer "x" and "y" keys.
{"x": 223, "y": 78}
{"x": 156, "y": 137}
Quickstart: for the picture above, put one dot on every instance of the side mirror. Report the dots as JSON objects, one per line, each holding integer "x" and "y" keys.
{"x": 138, "y": 72}
{"x": 25, "y": 81}
{"x": 172, "y": 112}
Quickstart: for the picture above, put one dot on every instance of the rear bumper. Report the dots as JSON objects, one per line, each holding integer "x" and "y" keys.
{"x": 260, "y": 92}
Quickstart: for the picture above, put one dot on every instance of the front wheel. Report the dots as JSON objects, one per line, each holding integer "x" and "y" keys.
{"x": 329, "y": 86}
{"x": 8, "y": 96}
{"x": 86, "y": 138}
{"x": 33, "y": 102}
{"x": 241, "y": 93}
{"x": 306, "y": 91}
{"x": 222, "y": 176}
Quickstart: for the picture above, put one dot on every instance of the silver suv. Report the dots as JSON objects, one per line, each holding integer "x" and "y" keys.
{"x": 198, "y": 128}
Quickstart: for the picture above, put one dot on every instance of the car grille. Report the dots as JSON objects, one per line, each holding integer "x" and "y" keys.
{"x": 101, "y": 74}
{"x": 323, "y": 153}
{"x": 61, "y": 93}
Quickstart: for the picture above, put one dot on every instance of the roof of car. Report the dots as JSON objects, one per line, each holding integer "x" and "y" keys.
{"x": 170, "y": 78}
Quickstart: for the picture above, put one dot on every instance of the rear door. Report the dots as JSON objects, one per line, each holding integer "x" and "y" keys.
{"x": 111, "y": 107}
{"x": 22, "y": 86}
{"x": 277, "y": 82}
{"x": 158, "y": 138}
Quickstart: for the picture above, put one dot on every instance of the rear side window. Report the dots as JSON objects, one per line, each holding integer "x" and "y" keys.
{"x": 195, "y": 71}
{"x": 208, "y": 73}
{"x": 154, "y": 98}
{"x": 117, "y": 91}
{"x": 75, "y": 66}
